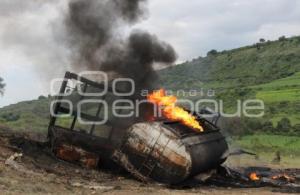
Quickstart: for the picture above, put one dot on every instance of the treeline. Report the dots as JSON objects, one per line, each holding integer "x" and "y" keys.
{"x": 247, "y": 126}
{"x": 2, "y": 85}
{"x": 262, "y": 42}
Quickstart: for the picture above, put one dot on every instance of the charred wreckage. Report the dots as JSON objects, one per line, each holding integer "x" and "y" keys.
{"x": 163, "y": 150}
{"x": 151, "y": 149}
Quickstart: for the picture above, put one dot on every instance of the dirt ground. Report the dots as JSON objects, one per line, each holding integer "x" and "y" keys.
{"x": 38, "y": 172}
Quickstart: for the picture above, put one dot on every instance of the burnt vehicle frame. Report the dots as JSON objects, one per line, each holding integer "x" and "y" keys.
{"x": 82, "y": 145}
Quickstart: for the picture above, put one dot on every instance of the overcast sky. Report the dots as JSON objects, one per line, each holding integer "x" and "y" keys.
{"x": 193, "y": 27}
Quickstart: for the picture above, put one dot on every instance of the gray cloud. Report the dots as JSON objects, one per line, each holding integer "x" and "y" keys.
{"x": 193, "y": 26}
{"x": 16, "y": 7}
{"x": 28, "y": 29}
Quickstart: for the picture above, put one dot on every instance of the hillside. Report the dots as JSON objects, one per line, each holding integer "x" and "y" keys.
{"x": 251, "y": 65}
{"x": 269, "y": 71}
{"x": 27, "y": 116}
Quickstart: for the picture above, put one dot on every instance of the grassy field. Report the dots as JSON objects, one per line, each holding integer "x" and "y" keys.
{"x": 279, "y": 95}
{"x": 285, "y": 89}
{"x": 283, "y": 95}
{"x": 271, "y": 143}
{"x": 268, "y": 71}
{"x": 294, "y": 118}
{"x": 291, "y": 81}
{"x": 264, "y": 159}
{"x": 30, "y": 116}
{"x": 265, "y": 147}
{"x": 242, "y": 67}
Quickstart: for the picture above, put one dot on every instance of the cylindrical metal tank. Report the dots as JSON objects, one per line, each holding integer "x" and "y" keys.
{"x": 172, "y": 152}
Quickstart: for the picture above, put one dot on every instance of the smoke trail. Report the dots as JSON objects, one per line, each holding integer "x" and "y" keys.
{"x": 95, "y": 37}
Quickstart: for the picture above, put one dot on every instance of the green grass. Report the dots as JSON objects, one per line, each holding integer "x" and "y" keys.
{"x": 32, "y": 116}
{"x": 270, "y": 72}
{"x": 271, "y": 143}
{"x": 272, "y": 65}
{"x": 279, "y": 95}
{"x": 290, "y": 82}
{"x": 246, "y": 66}
{"x": 285, "y": 89}
{"x": 264, "y": 159}
{"x": 294, "y": 118}
{"x": 28, "y": 123}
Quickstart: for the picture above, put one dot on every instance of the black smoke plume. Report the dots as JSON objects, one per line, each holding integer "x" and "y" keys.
{"x": 95, "y": 30}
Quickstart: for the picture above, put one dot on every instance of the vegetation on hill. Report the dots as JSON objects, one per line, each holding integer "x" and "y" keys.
{"x": 269, "y": 143}
{"x": 251, "y": 65}
{"x": 28, "y": 116}
{"x": 268, "y": 70}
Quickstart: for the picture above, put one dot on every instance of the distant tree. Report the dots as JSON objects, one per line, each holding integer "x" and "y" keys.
{"x": 10, "y": 117}
{"x": 2, "y": 85}
{"x": 268, "y": 127}
{"x": 212, "y": 52}
{"x": 224, "y": 52}
{"x": 297, "y": 129}
{"x": 272, "y": 109}
{"x": 258, "y": 46}
{"x": 41, "y": 97}
{"x": 282, "y": 38}
{"x": 283, "y": 104}
{"x": 253, "y": 125}
{"x": 284, "y": 125}
{"x": 262, "y": 40}
{"x": 234, "y": 126}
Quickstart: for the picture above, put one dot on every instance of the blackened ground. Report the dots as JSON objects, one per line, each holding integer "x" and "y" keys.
{"x": 38, "y": 172}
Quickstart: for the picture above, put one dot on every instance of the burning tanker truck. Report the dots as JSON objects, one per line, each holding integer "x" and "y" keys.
{"x": 168, "y": 149}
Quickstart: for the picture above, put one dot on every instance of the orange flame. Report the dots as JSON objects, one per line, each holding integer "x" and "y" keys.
{"x": 171, "y": 111}
{"x": 254, "y": 177}
{"x": 284, "y": 176}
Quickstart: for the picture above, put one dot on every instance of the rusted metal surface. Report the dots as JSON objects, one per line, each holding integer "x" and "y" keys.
{"x": 122, "y": 159}
{"x": 77, "y": 155}
{"x": 164, "y": 151}
{"x": 150, "y": 151}
{"x": 98, "y": 145}
{"x": 160, "y": 154}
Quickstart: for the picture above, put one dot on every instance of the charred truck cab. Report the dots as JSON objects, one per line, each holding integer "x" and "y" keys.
{"x": 160, "y": 150}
